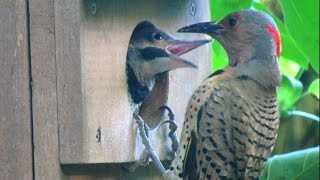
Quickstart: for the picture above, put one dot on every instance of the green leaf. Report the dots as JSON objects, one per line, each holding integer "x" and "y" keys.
{"x": 314, "y": 88}
{"x": 289, "y": 92}
{"x": 288, "y": 67}
{"x": 289, "y": 48}
{"x": 219, "y": 56}
{"x": 303, "y": 164}
{"x": 291, "y": 51}
{"x": 302, "y": 22}
{"x": 220, "y": 8}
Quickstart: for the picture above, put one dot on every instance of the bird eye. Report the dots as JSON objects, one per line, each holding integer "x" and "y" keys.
{"x": 158, "y": 36}
{"x": 232, "y": 21}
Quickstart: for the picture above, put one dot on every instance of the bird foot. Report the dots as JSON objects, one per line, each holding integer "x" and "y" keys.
{"x": 148, "y": 151}
{"x": 173, "y": 131}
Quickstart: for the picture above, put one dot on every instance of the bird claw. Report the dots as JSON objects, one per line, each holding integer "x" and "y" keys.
{"x": 173, "y": 131}
{"x": 148, "y": 151}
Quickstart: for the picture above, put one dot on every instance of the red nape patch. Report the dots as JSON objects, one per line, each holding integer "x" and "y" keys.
{"x": 276, "y": 36}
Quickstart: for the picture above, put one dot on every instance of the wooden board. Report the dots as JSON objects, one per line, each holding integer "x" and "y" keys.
{"x": 15, "y": 116}
{"x": 91, "y": 48}
{"x": 44, "y": 95}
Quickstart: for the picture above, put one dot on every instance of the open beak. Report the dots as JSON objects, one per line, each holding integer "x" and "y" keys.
{"x": 210, "y": 28}
{"x": 172, "y": 60}
{"x": 179, "y": 47}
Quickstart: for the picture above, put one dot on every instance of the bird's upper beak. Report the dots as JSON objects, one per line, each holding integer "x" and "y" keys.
{"x": 210, "y": 28}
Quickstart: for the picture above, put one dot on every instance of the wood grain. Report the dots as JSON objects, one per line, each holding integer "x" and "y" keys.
{"x": 44, "y": 95}
{"x": 91, "y": 80}
{"x": 69, "y": 81}
{"x": 15, "y": 116}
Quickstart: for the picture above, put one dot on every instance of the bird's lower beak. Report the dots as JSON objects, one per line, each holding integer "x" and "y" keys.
{"x": 179, "y": 47}
{"x": 170, "y": 63}
{"x": 210, "y": 28}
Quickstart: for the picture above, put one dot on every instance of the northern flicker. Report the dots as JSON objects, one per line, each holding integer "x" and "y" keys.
{"x": 151, "y": 54}
{"x": 232, "y": 118}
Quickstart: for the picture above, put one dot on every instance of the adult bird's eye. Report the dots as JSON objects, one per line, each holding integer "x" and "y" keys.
{"x": 158, "y": 36}
{"x": 232, "y": 21}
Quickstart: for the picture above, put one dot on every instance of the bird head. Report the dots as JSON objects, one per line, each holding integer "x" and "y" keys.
{"x": 245, "y": 34}
{"x": 252, "y": 42}
{"x": 152, "y": 51}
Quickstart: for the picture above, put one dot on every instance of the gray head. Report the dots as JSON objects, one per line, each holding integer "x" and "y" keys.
{"x": 245, "y": 34}
{"x": 252, "y": 41}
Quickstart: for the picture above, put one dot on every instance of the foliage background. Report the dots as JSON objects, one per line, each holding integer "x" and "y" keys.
{"x": 298, "y": 96}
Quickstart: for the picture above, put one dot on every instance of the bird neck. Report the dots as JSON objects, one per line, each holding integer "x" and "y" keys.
{"x": 239, "y": 54}
{"x": 138, "y": 87}
{"x": 263, "y": 70}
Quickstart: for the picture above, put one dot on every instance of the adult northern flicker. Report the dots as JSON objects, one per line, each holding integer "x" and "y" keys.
{"x": 151, "y": 54}
{"x": 232, "y": 118}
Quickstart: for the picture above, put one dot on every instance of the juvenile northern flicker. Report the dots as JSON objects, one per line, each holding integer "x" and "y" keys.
{"x": 232, "y": 118}
{"x": 151, "y": 54}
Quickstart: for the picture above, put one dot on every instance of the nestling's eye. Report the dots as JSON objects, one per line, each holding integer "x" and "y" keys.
{"x": 232, "y": 21}
{"x": 158, "y": 36}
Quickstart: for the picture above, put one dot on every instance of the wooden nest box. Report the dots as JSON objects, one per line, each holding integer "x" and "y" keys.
{"x": 94, "y": 114}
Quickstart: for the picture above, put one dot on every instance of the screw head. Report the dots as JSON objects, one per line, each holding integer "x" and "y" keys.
{"x": 193, "y": 9}
{"x": 94, "y": 8}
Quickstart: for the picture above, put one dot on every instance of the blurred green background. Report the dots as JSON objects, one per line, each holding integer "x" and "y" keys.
{"x": 298, "y": 96}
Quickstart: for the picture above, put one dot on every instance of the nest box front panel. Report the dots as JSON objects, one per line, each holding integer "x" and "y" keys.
{"x": 94, "y": 109}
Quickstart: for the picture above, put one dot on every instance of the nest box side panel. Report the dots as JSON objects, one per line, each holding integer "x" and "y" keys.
{"x": 15, "y": 112}
{"x": 94, "y": 111}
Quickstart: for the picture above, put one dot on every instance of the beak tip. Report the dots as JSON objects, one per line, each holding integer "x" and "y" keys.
{"x": 181, "y": 30}
{"x": 191, "y": 65}
{"x": 208, "y": 40}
